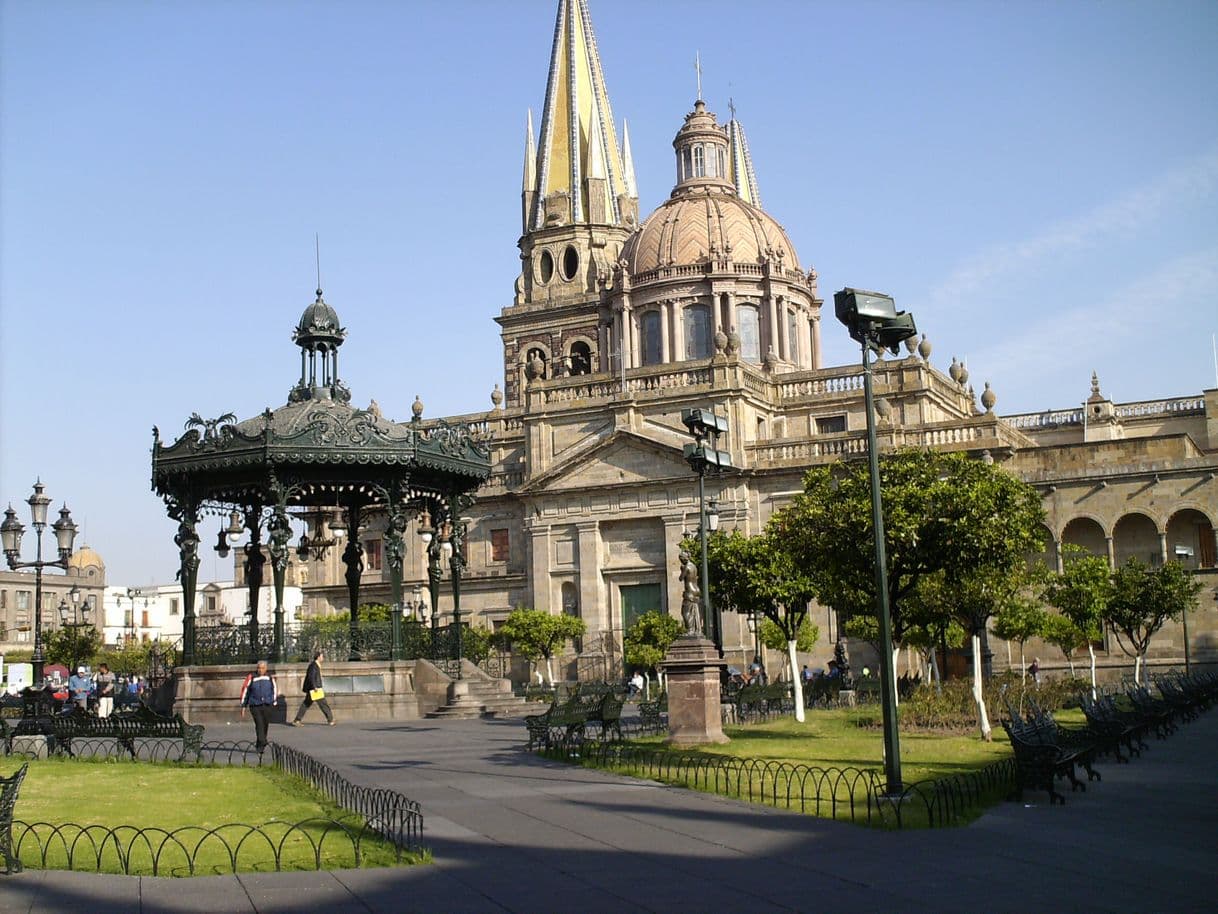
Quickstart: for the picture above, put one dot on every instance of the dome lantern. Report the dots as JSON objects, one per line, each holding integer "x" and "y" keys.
{"x": 319, "y": 333}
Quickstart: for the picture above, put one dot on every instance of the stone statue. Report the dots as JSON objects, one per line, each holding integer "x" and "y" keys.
{"x": 691, "y": 596}
{"x": 842, "y": 659}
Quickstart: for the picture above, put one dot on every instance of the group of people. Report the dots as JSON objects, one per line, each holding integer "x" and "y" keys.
{"x": 260, "y": 696}
{"x": 101, "y": 691}
{"x": 834, "y": 671}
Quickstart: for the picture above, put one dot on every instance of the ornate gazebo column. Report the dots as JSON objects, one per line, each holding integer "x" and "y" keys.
{"x": 395, "y": 554}
{"x": 353, "y": 558}
{"x": 279, "y": 533}
{"x": 254, "y": 560}
{"x": 187, "y": 540}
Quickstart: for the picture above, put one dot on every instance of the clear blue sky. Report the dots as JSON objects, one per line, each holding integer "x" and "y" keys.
{"x": 1036, "y": 181}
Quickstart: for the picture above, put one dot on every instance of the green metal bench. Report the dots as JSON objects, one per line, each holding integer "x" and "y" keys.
{"x": 9, "y": 788}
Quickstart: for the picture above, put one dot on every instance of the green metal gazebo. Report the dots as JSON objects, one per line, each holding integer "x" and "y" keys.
{"x": 317, "y": 456}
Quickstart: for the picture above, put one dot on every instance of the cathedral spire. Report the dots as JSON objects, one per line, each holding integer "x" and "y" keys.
{"x": 528, "y": 190}
{"x": 741, "y": 162}
{"x": 580, "y": 175}
{"x": 632, "y": 187}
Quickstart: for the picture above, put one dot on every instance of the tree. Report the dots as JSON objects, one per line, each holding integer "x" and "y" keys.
{"x": 1081, "y": 590}
{"x": 73, "y": 645}
{"x": 775, "y": 638}
{"x": 759, "y": 574}
{"x": 537, "y": 634}
{"x": 944, "y": 513}
{"x": 648, "y": 639}
{"x": 476, "y": 643}
{"x": 1020, "y": 619}
{"x": 1142, "y": 601}
{"x": 1065, "y": 636}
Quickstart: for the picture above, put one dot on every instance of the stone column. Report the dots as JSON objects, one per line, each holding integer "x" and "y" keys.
{"x": 590, "y": 599}
{"x": 771, "y": 320}
{"x": 540, "y": 554}
{"x": 716, "y": 317}
{"x": 1163, "y": 548}
{"x": 1111, "y": 552}
{"x": 783, "y": 349}
{"x": 665, "y": 340}
{"x": 1058, "y": 563}
{"x": 815, "y": 342}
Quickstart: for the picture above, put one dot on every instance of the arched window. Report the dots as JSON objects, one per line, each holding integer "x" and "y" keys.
{"x": 697, "y": 332}
{"x": 749, "y": 322}
{"x": 792, "y": 337}
{"x": 649, "y": 330}
{"x": 581, "y": 358}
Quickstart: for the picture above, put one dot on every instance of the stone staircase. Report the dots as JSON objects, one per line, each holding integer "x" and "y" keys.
{"x": 481, "y": 698}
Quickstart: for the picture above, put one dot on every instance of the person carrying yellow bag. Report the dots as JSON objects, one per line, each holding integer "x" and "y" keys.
{"x": 314, "y": 692}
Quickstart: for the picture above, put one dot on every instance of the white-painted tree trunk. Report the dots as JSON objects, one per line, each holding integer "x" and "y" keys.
{"x": 1070, "y": 660}
{"x": 983, "y": 719}
{"x": 1023, "y": 666}
{"x": 896, "y": 693}
{"x": 1137, "y": 669}
{"x": 549, "y": 671}
{"x": 1009, "y": 654}
{"x": 934, "y": 671}
{"x": 1091, "y": 653}
{"x": 646, "y": 686}
{"x": 796, "y": 686}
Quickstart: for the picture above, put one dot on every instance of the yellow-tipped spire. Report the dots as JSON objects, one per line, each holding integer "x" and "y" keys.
{"x": 580, "y": 174}
{"x": 740, "y": 161}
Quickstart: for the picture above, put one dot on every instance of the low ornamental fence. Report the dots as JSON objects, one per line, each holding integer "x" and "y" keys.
{"x": 851, "y": 794}
{"x": 383, "y": 828}
{"x": 217, "y": 645}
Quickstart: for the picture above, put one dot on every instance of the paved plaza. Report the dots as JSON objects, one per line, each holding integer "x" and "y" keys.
{"x": 512, "y": 832}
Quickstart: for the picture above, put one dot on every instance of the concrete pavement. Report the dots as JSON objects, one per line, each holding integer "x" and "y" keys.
{"x": 511, "y": 832}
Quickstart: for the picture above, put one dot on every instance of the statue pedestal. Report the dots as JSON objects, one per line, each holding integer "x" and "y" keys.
{"x": 693, "y": 667}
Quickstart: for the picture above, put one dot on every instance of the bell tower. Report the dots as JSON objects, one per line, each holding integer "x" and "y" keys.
{"x": 579, "y": 204}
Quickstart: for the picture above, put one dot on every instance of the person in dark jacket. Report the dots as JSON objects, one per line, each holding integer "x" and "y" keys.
{"x": 313, "y": 686}
{"x": 260, "y": 694}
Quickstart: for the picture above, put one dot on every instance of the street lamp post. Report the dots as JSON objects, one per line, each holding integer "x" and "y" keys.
{"x": 755, "y": 631}
{"x": 703, "y": 457}
{"x": 11, "y": 531}
{"x": 78, "y": 620}
{"x": 875, "y": 323}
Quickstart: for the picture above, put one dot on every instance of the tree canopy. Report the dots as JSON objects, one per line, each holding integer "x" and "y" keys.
{"x": 648, "y": 639}
{"x": 1143, "y": 599}
{"x": 943, "y": 513}
{"x": 535, "y": 633}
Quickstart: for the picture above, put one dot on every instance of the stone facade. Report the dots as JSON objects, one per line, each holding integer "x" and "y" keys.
{"x": 615, "y": 328}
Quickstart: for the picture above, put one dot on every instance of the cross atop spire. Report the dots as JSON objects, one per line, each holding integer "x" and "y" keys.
{"x": 698, "y": 70}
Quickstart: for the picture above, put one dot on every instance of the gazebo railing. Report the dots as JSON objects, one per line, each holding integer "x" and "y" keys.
{"x": 230, "y": 644}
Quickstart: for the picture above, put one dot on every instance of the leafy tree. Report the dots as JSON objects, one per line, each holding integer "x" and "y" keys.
{"x": 775, "y": 638}
{"x": 537, "y": 634}
{"x": 1081, "y": 590}
{"x": 476, "y": 643}
{"x": 373, "y": 612}
{"x": 648, "y": 639}
{"x": 1020, "y": 619}
{"x": 759, "y": 574}
{"x": 1065, "y": 636}
{"x": 1142, "y": 601}
{"x": 73, "y": 645}
{"x": 945, "y": 513}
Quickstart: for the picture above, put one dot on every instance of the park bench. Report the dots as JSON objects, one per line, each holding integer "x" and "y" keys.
{"x": 1119, "y": 727}
{"x": 651, "y": 712}
{"x": 823, "y": 690}
{"x": 606, "y": 710}
{"x": 1155, "y": 711}
{"x": 9, "y": 788}
{"x": 1045, "y": 751}
{"x": 565, "y": 716}
{"x": 122, "y": 730}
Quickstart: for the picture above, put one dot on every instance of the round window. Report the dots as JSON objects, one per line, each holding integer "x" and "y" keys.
{"x": 570, "y": 262}
{"x": 546, "y": 266}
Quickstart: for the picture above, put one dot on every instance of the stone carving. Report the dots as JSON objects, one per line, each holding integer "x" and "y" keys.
{"x": 691, "y": 596}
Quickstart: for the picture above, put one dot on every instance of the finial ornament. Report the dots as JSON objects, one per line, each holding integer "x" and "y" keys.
{"x": 698, "y": 69}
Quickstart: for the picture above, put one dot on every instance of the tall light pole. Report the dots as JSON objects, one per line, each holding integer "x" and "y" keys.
{"x": 875, "y": 323}
{"x": 703, "y": 457}
{"x": 11, "y": 531}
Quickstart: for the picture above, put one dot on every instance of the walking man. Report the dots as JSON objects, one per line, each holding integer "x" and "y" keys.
{"x": 314, "y": 693}
{"x": 260, "y": 694}
{"x": 105, "y": 691}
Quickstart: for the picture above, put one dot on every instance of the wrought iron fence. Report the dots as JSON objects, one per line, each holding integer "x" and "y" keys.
{"x": 849, "y": 793}
{"x": 230, "y": 644}
{"x": 316, "y": 843}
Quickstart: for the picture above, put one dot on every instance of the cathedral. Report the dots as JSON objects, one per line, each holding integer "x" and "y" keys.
{"x": 621, "y": 320}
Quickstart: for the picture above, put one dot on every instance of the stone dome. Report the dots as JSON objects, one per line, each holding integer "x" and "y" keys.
{"x": 84, "y": 557}
{"x": 692, "y": 227}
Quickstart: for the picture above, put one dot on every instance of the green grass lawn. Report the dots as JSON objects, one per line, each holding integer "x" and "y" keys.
{"x": 769, "y": 763}
{"x": 141, "y": 817}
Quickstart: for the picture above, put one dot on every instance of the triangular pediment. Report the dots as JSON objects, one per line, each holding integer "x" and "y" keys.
{"x": 623, "y": 458}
